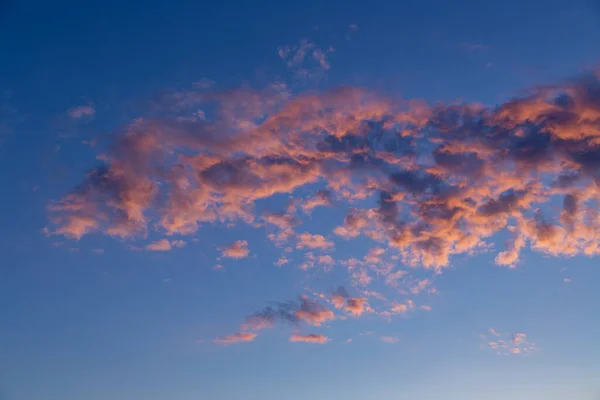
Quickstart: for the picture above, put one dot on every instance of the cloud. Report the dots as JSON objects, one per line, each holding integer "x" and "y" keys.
{"x": 81, "y": 112}
{"x": 160, "y": 245}
{"x": 503, "y": 344}
{"x": 440, "y": 180}
{"x": 237, "y": 250}
{"x": 307, "y": 240}
{"x": 321, "y": 198}
{"x": 281, "y": 261}
{"x": 164, "y": 245}
{"x": 307, "y": 311}
{"x": 306, "y": 59}
{"x": 354, "y": 305}
{"x": 310, "y": 338}
{"x": 389, "y": 339}
{"x": 236, "y": 338}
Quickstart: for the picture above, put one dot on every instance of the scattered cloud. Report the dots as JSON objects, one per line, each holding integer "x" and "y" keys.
{"x": 503, "y": 344}
{"x": 306, "y": 59}
{"x": 425, "y": 183}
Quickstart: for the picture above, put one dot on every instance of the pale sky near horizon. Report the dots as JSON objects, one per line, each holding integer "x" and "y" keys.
{"x": 299, "y": 200}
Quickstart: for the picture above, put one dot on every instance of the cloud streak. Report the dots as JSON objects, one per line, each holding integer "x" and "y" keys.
{"x": 310, "y": 338}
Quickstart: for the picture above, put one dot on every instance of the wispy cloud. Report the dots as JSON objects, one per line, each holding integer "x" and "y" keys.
{"x": 236, "y": 338}
{"x": 80, "y": 112}
{"x": 310, "y": 338}
{"x": 389, "y": 339}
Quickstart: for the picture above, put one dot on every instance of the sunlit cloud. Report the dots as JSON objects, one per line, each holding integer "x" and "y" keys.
{"x": 419, "y": 184}
{"x": 236, "y": 338}
{"x": 310, "y": 338}
{"x": 506, "y": 344}
{"x": 237, "y": 250}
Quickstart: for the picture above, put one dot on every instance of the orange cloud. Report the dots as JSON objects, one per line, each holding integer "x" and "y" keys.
{"x": 504, "y": 344}
{"x": 236, "y": 338}
{"x": 310, "y": 338}
{"x": 445, "y": 178}
{"x": 307, "y": 240}
{"x": 159, "y": 245}
{"x": 237, "y": 250}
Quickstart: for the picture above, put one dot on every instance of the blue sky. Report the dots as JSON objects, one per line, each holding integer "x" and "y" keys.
{"x": 194, "y": 200}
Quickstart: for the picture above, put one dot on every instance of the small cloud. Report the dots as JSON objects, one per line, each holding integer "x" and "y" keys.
{"x": 159, "y": 245}
{"x": 218, "y": 267}
{"x": 515, "y": 344}
{"x": 98, "y": 251}
{"x": 237, "y": 250}
{"x": 310, "y": 338}
{"x": 353, "y": 27}
{"x": 81, "y": 112}
{"x": 567, "y": 280}
{"x": 389, "y": 339}
{"x": 178, "y": 243}
{"x": 493, "y": 332}
{"x": 282, "y": 261}
{"x": 236, "y": 338}
{"x": 307, "y": 240}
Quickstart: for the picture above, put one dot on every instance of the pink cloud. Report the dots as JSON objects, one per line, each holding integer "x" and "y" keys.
{"x": 237, "y": 250}
{"x": 81, "y": 112}
{"x": 486, "y": 171}
{"x": 307, "y": 240}
{"x": 236, "y": 338}
{"x": 160, "y": 245}
{"x": 310, "y": 338}
{"x": 164, "y": 245}
{"x": 389, "y": 339}
{"x": 503, "y": 344}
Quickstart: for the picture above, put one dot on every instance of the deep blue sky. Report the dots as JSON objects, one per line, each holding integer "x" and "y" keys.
{"x": 96, "y": 318}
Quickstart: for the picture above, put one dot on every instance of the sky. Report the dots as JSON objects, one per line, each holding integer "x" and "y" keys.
{"x": 299, "y": 200}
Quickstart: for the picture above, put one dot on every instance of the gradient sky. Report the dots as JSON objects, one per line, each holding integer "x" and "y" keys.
{"x": 299, "y": 200}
